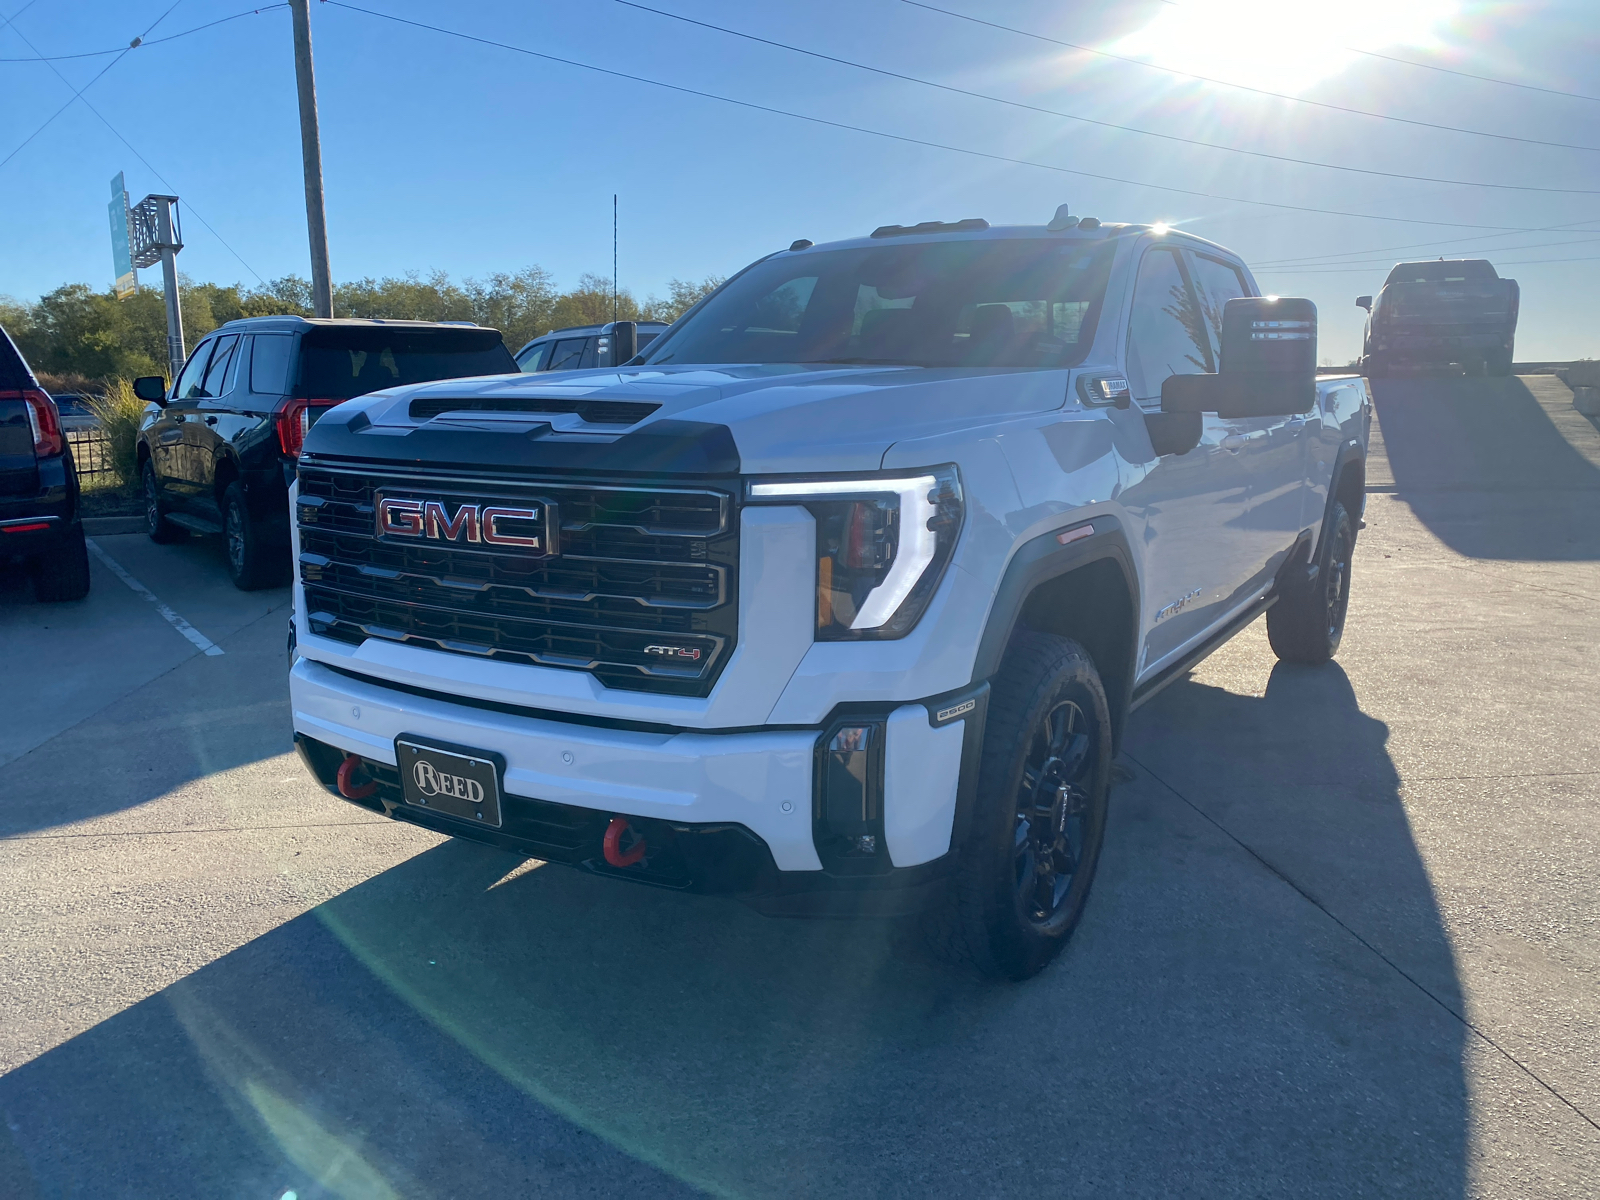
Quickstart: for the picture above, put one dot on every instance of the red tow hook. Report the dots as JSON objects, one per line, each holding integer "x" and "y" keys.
{"x": 615, "y": 855}
{"x": 348, "y": 789}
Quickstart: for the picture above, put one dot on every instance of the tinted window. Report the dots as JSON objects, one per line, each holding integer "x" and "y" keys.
{"x": 590, "y": 346}
{"x": 193, "y": 372}
{"x": 567, "y": 355}
{"x": 14, "y": 373}
{"x": 1215, "y": 283}
{"x": 1167, "y": 334}
{"x": 269, "y": 363}
{"x": 533, "y": 357}
{"x": 336, "y": 364}
{"x": 217, "y": 372}
{"x": 983, "y": 303}
{"x": 1470, "y": 270}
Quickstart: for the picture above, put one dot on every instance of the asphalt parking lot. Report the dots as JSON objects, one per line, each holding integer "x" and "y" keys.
{"x": 1345, "y": 939}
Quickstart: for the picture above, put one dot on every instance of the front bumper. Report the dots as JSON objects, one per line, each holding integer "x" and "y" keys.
{"x": 736, "y": 810}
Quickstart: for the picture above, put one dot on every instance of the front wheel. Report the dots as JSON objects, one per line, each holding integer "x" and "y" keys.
{"x": 1040, "y": 817}
{"x": 1307, "y": 623}
{"x": 155, "y": 509}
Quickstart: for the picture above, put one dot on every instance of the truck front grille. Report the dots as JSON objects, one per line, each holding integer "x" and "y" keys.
{"x": 641, "y": 591}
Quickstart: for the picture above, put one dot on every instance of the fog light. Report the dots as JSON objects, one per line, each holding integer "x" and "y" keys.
{"x": 849, "y": 814}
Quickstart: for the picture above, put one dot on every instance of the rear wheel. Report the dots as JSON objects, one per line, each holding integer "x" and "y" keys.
{"x": 1030, "y": 854}
{"x": 1498, "y": 363}
{"x": 253, "y": 560}
{"x": 63, "y": 573}
{"x": 1307, "y": 623}
{"x": 155, "y": 509}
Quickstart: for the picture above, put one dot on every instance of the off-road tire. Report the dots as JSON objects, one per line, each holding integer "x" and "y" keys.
{"x": 1497, "y": 364}
{"x": 156, "y": 524}
{"x": 989, "y": 914}
{"x": 254, "y": 561}
{"x": 62, "y": 573}
{"x": 1307, "y": 623}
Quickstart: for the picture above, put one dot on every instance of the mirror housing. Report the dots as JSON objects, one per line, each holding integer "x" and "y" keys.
{"x": 1269, "y": 363}
{"x": 152, "y": 389}
{"x": 1173, "y": 432}
{"x": 1364, "y": 302}
{"x": 619, "y": 343}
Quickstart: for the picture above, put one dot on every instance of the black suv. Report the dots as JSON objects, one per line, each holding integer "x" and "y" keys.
{"x": 217, "y": 454}
{"x": 39, "y": 517}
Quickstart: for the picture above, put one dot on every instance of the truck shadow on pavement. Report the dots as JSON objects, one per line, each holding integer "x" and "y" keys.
{"x": 1477, "y": 459}
{"x": 467, "y": 1024}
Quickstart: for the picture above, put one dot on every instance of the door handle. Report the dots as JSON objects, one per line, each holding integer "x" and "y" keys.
{"x": 1295, "y": 424}
{"x": 1234, "y": 442}
{"x": 168, "y": 439}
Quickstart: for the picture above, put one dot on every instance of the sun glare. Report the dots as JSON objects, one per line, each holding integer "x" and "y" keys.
{"x": 1282, "y": 47}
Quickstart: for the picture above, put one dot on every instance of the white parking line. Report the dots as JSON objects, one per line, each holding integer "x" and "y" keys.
{"x": 139, "y": 589}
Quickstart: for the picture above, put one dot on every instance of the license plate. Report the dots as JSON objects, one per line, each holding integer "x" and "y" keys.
{"x": 457, "y": 782}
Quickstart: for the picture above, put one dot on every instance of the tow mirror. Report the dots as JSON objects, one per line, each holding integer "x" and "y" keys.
{"x": 619, "y": 343}
{"x": 152, "y": 389}
{"x": 1364, "y": 302}
{"x": 1269, "y": 363}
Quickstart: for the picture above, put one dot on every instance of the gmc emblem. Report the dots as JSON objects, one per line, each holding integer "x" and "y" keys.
{"x": 474, "y": 524}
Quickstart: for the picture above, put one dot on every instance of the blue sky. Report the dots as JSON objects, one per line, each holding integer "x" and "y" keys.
{"x": 445, "y": 154}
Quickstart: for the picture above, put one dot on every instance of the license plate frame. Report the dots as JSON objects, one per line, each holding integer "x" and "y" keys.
{"x": 461, "y": 782}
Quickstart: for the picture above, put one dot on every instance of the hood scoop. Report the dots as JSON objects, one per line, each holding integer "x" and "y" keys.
{"x": 592, "y": 412}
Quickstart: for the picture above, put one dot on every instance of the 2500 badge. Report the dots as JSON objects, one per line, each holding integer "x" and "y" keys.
{"x": 529, "y": 527}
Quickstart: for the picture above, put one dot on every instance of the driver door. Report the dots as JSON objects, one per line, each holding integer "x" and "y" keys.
{"x": 169, "y": 451}
{"x": 1191, "y": 508}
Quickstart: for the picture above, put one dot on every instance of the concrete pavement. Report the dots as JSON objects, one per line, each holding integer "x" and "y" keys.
{"x": 1344, "y": 940}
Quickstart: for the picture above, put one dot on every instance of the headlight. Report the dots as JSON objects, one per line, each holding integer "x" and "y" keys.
{"x": 883, "y": 542}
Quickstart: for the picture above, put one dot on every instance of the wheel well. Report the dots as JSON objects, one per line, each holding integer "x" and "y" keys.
{"x": 227, "y": 472}
{"x": 1351, "y": 488}
{"x": 1093, "y": 606}
{"x": 141, "y": 455}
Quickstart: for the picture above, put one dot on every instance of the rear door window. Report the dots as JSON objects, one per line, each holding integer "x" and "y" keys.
{"x": 338, "y": 363}
{"x": 269, "y": 363}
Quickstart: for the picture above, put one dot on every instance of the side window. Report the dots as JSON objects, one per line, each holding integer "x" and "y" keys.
{"x": 1167, "y": 335}
{"x": 533, "y": 359}
{"x": 188, "y": 387}
{"x": 1215, "y": 283}
{"x": 221, "y": 360}
{"x": 590, "y": 348}
{"x": 566, "y": 355}
{"x": 269, "y": 363}
{"x": 238, "y": 367}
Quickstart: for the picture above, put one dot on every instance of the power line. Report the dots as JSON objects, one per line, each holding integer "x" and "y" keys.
{"x": 139, "y": 43}
{"x": 1138, "y": 62}
{"x": 1406, "y": 62}
{"x": 908, "y": 140}
{"x": 78, "y": 95}
{"x": 1353, "y": 258}
{"x": 1034, "y": 108}
{"x": 1518, "y": 262}
{"x": 1572, "y": 226}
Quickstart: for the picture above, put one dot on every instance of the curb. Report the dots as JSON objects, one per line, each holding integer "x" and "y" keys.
{"x": 100, "y": 526}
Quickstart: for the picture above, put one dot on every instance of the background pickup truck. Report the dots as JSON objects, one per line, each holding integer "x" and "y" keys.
{"x": 1448, "y": 312}
{"x": 838, "y": 600}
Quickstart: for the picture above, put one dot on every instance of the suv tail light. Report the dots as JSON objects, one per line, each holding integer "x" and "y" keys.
{"x": 296, "y": 420}
{"x": 43, "y": 419}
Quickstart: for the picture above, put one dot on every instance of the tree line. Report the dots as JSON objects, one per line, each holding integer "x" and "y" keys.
{"x": 80, "y": 336}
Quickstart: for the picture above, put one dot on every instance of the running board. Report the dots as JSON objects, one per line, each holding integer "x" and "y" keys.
{"x": 192, "y": 523}
{"x": 1204, "y": 650}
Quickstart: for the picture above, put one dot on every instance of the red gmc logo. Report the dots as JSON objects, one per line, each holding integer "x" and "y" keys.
{"x": 478, "y": 524}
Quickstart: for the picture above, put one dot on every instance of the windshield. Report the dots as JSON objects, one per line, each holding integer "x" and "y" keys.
{"x": 1468, "y": 270}
{"x": 984, "y": 303}
{"x": 337, "y": 364}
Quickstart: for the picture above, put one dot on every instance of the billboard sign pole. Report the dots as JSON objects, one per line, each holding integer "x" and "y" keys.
{"x": 121, "y": 255}
{"x": 156, "y": 236}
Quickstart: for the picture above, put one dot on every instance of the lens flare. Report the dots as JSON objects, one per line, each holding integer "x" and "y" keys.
{"x": 1280, "y": 47}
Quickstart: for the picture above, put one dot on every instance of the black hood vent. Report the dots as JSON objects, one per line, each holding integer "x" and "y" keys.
{"x": 594, "y": 412}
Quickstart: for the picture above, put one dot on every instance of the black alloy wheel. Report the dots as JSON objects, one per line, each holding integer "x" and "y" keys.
{"x": 1306, "y": 624}
{"x": 1026, "y": 861}
{"x": 233, "y": 532}
{"x": 155, "y": 512}
{"x": 253, "y": 560}
{"x": 1053, "y": 811}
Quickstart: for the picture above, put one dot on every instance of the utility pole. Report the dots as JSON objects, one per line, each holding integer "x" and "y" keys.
{"x": 311, "y": 153}
{"x": 155, "y": 236}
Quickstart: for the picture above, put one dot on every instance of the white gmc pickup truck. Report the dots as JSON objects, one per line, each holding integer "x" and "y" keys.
{"x": 838, "y": 597}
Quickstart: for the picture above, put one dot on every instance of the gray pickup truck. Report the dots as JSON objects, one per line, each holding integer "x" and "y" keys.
{"x": 1448, "y": 312}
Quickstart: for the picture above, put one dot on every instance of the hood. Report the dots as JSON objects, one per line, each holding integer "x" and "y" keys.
{"x": 781, "y": 418}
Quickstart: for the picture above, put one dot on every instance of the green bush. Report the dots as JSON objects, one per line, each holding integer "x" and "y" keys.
{"x": 120, "y": 414}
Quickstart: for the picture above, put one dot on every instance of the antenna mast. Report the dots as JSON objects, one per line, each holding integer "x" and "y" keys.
{"x": 613, "y": 257}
